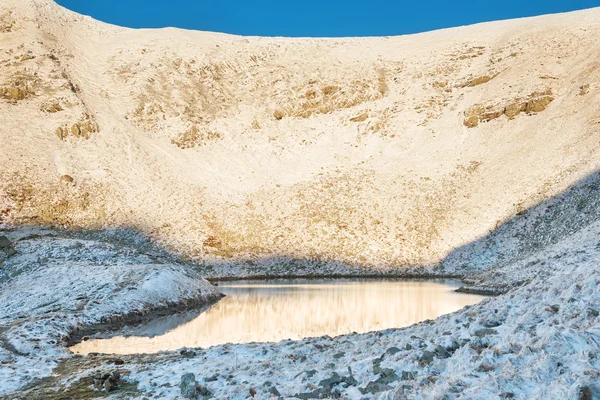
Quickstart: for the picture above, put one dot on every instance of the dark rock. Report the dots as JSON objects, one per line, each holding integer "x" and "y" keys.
{"x": 392, "y": 350}
{"x": 108, "y": 385}
{"x": 554, "y": 308}
{"x": 484, "y": 332}
{"x": 441, "y": 351}
{"x": 408, "y": 346}
{"x": 454, "y": 346}
{"x": 374, "y": 387}
{"x": 339, "y": 355}
{"x": 252, "y": 392}
{"x": 589, "y": 392}
{"x": 118, "y": 361}
{"x": 98, "y": 383}
{"x": 427, "y": 357}
{"x": 7, "y": 247}
{"x": 212, "y": 378}
{"x": 187, "y": 353}
{"x": 203, "y": 391}
{"x": 492, "y": 324}
{"x": 408, "y": 375}
{"x": 115, "y": 377}
{"x": 328, "y": 383}
{"x": 315, "y": 394}
{"x": 273, "y": 390}
{"x": 593, "y": 312}
{"x": 188, "y": 386}
{"x": 302, "y": 358}
{"x": 377, "y": 364}
{"x": 388, "y": 375}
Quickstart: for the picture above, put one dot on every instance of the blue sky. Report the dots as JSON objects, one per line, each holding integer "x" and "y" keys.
{"x": 314, "y": 17}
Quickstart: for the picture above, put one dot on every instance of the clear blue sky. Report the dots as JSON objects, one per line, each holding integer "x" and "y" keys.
{"x": 314, "y": 17}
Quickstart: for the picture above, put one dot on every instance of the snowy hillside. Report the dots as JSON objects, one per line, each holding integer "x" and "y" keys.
{"x": 136, "y": 163}
{"x": 374, "y": 153}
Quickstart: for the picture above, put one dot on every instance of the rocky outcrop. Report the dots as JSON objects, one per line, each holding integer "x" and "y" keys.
{"x": 534, "y": 103}
{"x": 17, "y": 90}
{"x": 188, "y": 386}
{"x": 195, "y": 137}
{"x": 81, "y": 129}
{"x": 6, "y": 246}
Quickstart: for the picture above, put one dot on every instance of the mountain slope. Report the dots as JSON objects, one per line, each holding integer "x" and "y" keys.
{"x": 371, "y": 152}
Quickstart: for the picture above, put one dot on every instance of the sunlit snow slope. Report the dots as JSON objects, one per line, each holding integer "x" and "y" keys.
{"x": 373, "y": 152}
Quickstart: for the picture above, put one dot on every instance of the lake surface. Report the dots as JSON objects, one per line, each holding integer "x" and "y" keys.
{"x": 269, "y": 311}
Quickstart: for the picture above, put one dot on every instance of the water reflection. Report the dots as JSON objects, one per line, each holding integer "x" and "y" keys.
{"x": 272, "y": 311}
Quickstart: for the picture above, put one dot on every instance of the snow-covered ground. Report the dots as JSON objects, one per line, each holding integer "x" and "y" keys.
{"x": 55, "y": 284}
{"x": 538, "y": 341}
{"x": 295, "y": 157}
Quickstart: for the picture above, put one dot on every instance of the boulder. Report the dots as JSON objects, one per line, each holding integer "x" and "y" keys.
{"x": 6, "y": 246}
{"x": 188, "y": 386}
{"x": 427, "y": 357}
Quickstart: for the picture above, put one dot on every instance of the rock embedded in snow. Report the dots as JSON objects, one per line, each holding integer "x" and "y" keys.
{"x": 6, "y": 246}
{"x": 188, "y": 386}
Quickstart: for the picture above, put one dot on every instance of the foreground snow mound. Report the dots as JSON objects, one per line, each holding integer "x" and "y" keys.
{"x": 537, "y": 341}
{"x": 55, "y": 284}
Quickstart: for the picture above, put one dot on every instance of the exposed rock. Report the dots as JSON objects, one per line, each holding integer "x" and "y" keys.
{"x": 441, "y": 351}
{"x": 315, "y": 394}
{"x": 471, "y": 121}
{"x": 534, "y": 103}
{"x": 479, "y": 80}
{"x": 427, "y": 357}
{"x": 194, "y": 137}
{"x": 188, "y": 386}
{"x": 81, "y": 129}
{"x": 17, "y": 90}
{"x": 392, "y": 350}
{"x": 538, "y": 104}
{"x": 212, "y": 378}
{"x": 108, "y": 386}
{"x": 492, "y": 324}
{"x": 51, "y": 107}
{"x": 388, "y": 375}
{"x": 374, "y": 387}
{"x": 584, "y": 89}
{"x": 589, "y": 392}
{"x": 252, "y": 392}
{"x": 273, "y": 390}
{"x": 107, "y": 381}
{"x": 66, "y": 179}
{"x": 328, "y": 383}
{"x": 203, "y": 390}
{"x": 408, "y": 375}
{"x": 6, "y": 246}
{"x": 187, "y": 353}
{"x": 484, "y": 332}
{"x": 360, "y": 118}
{"x": 514, "y": 109}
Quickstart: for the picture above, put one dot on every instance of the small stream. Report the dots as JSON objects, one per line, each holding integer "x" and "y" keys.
{"x": 270, "y": 311}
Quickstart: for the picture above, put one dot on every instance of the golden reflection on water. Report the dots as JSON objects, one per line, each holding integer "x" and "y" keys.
{"x": 264, "y": 312}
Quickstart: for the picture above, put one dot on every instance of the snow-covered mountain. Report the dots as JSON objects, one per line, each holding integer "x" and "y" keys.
{"x": 245, "y": 151}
